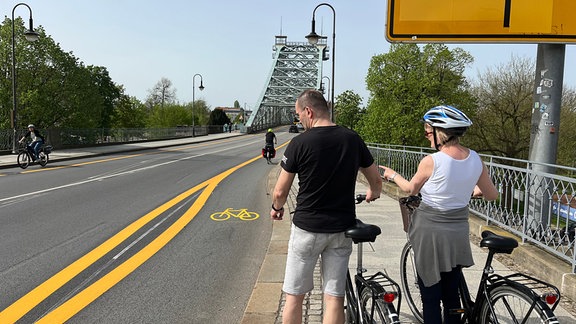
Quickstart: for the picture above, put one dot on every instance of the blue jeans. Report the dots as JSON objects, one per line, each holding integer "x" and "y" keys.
{"x": 446, "y": 291}
{"x": 35, "y": 146}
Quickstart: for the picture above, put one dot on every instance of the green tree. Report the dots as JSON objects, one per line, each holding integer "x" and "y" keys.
{"x": 236, "y": 104}
{"x": 218, "y": 117}
{"x": 129, "y": 112}
{"x": 408, "y": 81}
{"x": 347, "y": 109}
{"x": 169, "y": 116}
{"x": 201, "y": 112}
{"x": 567, "y": 131}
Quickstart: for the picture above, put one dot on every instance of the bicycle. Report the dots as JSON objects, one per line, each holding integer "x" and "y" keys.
{"x": 375, "y": 298}
{"x": 242, "y": 214}
{"x": 26, "y": 156}
{"x": 268, "y": 152}
{"x": 515, "y": 298}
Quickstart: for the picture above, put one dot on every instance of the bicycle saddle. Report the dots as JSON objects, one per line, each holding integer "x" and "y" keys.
{"x": 361, "y": 232}
{"x": 498, "y": 243}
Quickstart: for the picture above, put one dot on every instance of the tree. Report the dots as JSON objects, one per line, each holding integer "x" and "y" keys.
{"x": 129, "y": 112}
{"x": 567, "y": 131}
{"x": 218, "y": 117}
{"x": 236, "y": 104}
{"x": 504, "y": 97}
{"x": 201, "y": 112}
{"x": 161, "y": 94}
{"x": 347, "y": 109}
{"x": 408, "y": 81}
{"x": 169, "y": 116}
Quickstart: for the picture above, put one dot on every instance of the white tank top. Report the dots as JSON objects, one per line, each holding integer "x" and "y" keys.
{"x": 452, "y": 181}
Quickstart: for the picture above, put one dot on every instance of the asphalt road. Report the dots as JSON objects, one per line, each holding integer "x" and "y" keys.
{"x": 129, "y": 238}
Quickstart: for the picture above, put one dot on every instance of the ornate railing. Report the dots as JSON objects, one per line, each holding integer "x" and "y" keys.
{"x": 536, "y": 200}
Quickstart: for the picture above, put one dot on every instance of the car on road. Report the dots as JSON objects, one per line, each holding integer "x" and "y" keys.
{"x": 293, "y": 129}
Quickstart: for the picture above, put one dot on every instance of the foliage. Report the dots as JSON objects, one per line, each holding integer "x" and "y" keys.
{"x": 408, "y": 81}
{"x": 567, "y": 130}
{"x": 504, "y": 96}
{"x": 218, "y": 117}
{"x": 161, "y": 94}
{"x": 201, "y": 112}
{"x": 169, "y": 116}
{"x": 347, "y": 109}
{"x": 54, "y": 89}
{"x": 129, "y": 112}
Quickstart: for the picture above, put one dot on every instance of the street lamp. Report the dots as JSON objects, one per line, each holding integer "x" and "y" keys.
{"x": 313, "y": 39}
{"x": 201, "y": 87}
{"x": 322, "y": 85}
{"x": 31, "y": 36}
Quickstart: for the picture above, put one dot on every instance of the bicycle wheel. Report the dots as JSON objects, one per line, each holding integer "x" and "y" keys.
{"x": 513, "y": 305}
{"x": 23, "y": 159}
{"x": 409, "y": 281}
{"x": 376, "y": 308}
{"x": 222, "y": 216}
{"x": 248, "y": 216}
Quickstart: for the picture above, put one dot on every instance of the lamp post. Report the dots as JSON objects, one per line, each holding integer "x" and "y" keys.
{"x": 201, "y": 87}
{"x": 313, "y": 39}
{"x": 31, "y": 36}
{"x": 322, "y": 85}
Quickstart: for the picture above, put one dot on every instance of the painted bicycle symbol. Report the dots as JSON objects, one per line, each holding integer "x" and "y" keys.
{"x": 243, "y": 214}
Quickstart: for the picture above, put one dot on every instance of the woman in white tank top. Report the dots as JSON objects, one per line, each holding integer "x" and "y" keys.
{"x": 439, "y": 228}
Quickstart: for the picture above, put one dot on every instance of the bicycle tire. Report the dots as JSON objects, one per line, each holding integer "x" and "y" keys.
{"x": 409, "y": 281}
{"x": 509, "y": 302}
{"x": 221, "y": 216}
{"x": 23, "y": 159}
{"x": 383, "y": 312}
{"x": 248, "y": 216}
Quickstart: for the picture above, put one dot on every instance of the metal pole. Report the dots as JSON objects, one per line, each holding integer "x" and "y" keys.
{"x": 14, "y": 119}
{"x": 194, "y": 99}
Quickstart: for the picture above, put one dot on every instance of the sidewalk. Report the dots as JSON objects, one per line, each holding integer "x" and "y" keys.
{"x": 266, "y": 303}
{"x": 9, "y": 160}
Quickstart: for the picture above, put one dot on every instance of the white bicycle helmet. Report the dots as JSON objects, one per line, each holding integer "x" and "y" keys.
{"x": 446, "y": 117}
{"x": 31, "y": 125}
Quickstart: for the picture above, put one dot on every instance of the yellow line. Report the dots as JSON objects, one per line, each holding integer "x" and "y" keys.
{"x": 92, "y": 292}
{"x": 27, "y": 302}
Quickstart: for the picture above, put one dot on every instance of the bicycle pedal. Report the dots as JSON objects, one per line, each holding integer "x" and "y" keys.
{"x": 457, "y": 311}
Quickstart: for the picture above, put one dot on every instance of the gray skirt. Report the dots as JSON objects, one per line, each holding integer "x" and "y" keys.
{"x": 440, "y": 241}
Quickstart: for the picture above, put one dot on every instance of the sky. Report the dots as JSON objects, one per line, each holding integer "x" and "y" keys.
{"x": 229, "y": 42}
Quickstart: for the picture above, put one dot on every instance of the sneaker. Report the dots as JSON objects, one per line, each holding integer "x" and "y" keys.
{"x": 37, "y": 160}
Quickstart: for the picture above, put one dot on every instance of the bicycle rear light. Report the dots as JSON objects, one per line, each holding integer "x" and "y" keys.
{"x": 389, "y": 297}
{"x": 549, "y": 298}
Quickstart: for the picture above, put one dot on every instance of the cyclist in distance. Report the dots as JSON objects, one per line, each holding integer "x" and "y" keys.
{"x": 270, "y": 138}
{"x": 37, "y": 140}
{"x": 325, "y": 205}
{"x": 439, "y": 227}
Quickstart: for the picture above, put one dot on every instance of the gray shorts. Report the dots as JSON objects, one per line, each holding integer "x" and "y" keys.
{"x": 304, "y": 248}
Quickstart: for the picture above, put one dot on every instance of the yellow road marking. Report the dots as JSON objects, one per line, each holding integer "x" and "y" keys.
{"x": 26, "y": 303}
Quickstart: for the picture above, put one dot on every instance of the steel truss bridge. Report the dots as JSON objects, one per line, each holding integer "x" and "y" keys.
{"x": 297, "y": 66}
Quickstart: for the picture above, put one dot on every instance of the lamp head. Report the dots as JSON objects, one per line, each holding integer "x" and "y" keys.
{"x": 31, "y": 35}
{"x": 201, "y": 87}
{"x": 313, "y": 37}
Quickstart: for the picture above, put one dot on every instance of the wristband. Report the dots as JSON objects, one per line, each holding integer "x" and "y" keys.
{"x": 280, "y": 209}
{"x": 392, "y": 177}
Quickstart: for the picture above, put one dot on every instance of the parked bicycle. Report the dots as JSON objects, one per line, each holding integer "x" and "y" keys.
{"x": 26, "y": 156}
{"x": 370, "y": 299}
{"x": 515, "y": 298}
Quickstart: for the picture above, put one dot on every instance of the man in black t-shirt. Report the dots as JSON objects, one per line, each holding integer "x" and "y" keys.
{"x": 326, "y": 158}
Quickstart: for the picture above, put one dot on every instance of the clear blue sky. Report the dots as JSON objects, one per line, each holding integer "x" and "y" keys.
{"x": 229, "y": 42}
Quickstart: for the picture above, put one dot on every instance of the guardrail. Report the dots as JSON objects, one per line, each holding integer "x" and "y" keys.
{"x": 67, "y": 138}
{"x": 536, "y": 202}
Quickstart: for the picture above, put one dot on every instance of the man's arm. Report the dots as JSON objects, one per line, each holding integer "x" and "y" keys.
{"x": 374, "y": 182}
{"x": 280, "y": 194}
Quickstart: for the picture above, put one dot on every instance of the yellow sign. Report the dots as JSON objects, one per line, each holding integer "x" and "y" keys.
{"x": 481, "y": 21}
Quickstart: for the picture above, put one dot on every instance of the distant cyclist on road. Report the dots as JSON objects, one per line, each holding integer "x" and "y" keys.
{"x": 271, "y": 138}
{"x": 37, "y": 140}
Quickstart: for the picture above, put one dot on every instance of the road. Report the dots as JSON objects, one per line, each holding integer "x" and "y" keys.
{"x": 128, "y": 238}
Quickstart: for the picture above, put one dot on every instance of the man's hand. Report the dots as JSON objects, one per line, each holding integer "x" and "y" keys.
{"x": 276, "y": 215}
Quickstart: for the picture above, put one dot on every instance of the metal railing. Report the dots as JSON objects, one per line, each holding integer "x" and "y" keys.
{"x": 536, "y": 201}
{"x": 66, "y": 138}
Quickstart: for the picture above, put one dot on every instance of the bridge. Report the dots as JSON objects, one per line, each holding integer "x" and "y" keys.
{"x": 297, "y": 66}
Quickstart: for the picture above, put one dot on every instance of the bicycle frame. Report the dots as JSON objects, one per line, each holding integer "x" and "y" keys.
{"x": 489, "y": 281}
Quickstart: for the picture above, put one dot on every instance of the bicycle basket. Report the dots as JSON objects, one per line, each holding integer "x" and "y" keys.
{"x": 47, "y": 149}
{"x": 407, "y": 207}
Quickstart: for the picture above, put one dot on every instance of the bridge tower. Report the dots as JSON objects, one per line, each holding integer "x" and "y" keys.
{"x": 297, "y": 66}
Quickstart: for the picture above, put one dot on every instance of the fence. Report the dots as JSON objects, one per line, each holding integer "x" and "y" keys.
{"x": 66, "y": 138}
{"x": 536, "y": 200}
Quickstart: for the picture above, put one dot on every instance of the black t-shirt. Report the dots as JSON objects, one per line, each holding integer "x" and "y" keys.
{"x": 326, "y": 160}
{"x": 270, "y": 136}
